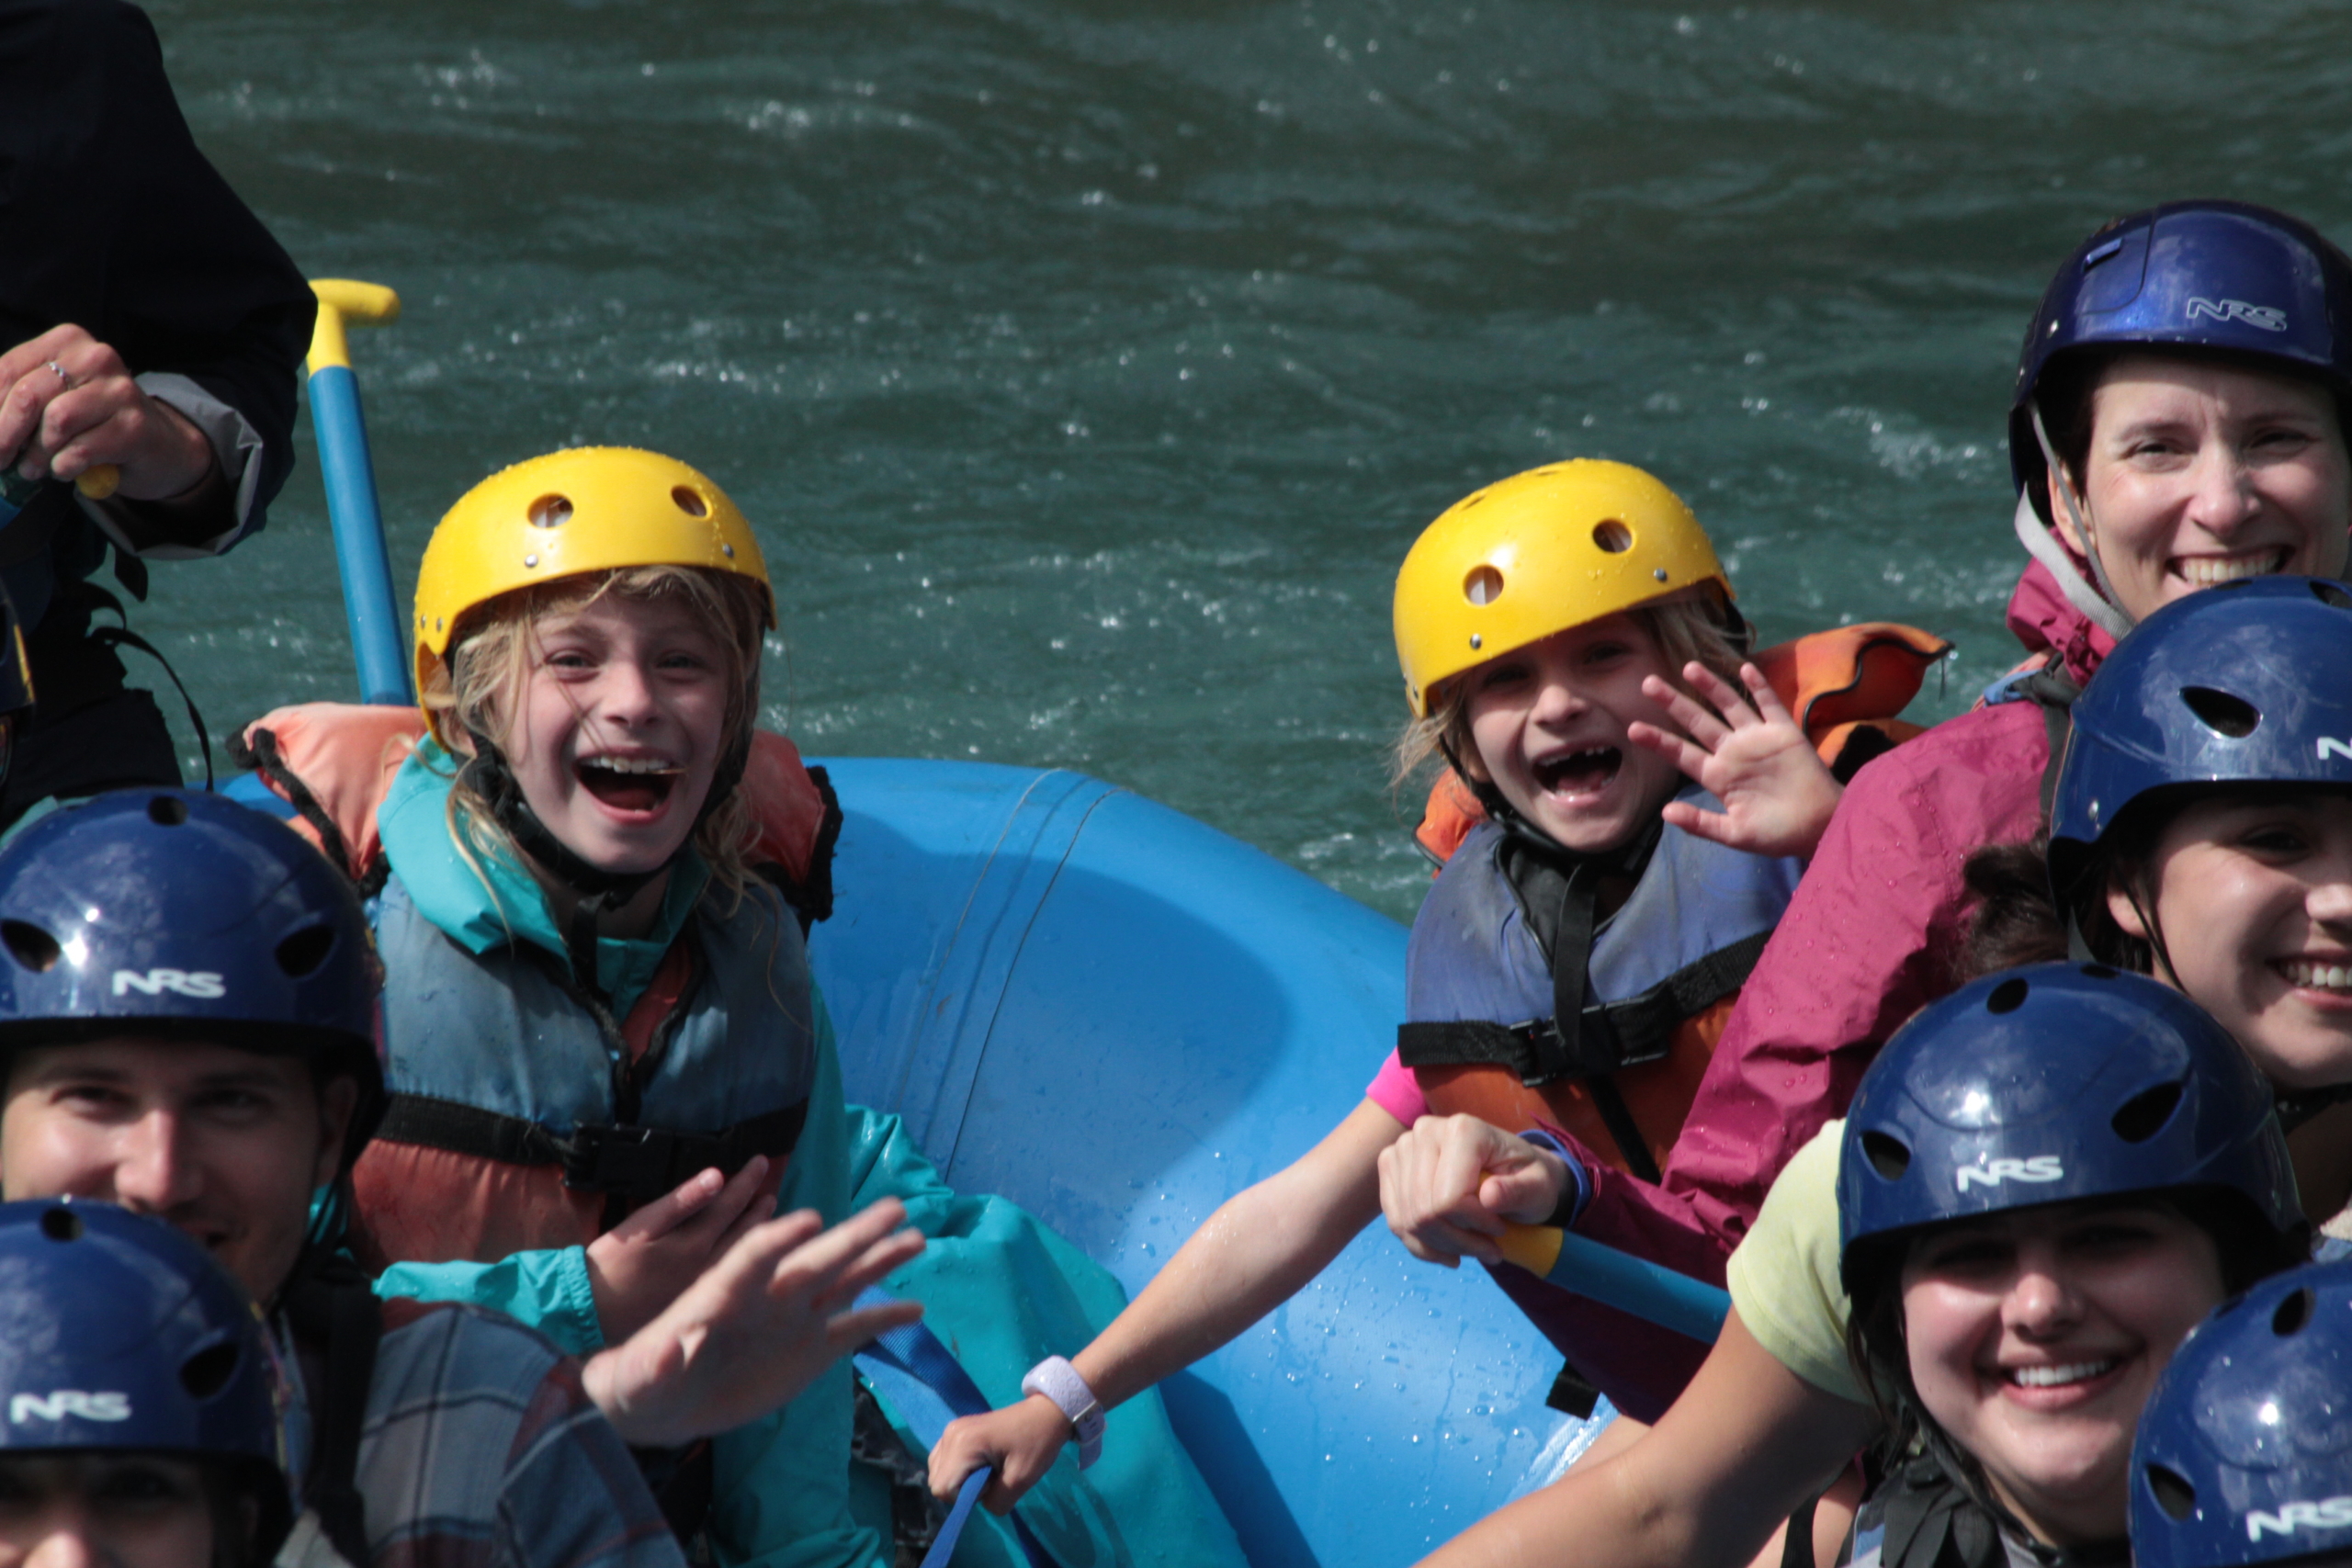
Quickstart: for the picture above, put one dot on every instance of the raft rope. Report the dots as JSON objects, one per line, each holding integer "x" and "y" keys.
{"x": 929, "y": 1388}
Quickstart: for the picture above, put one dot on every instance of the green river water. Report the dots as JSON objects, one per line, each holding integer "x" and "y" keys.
{"x": 1088, "y": 368}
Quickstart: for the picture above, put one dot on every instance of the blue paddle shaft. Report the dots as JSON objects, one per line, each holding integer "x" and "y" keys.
{"x": 378, "y": 631}
{"x": 1638, "y": 1286}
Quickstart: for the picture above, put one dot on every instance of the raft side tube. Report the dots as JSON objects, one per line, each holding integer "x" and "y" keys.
{"x": 1118, "y": 1018}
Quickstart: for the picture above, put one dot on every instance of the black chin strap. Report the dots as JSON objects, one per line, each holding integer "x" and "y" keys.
{"x": 599, "y": 891}
{"x": 488, "y": 774}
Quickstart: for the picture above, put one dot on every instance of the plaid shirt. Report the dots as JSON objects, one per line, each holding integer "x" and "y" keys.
{"x": 481, "y": 1450}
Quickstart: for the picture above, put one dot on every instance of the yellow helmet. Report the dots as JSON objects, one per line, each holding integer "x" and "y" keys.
{"x": 590, "y": 509}
{"x": 1536, "y": 554}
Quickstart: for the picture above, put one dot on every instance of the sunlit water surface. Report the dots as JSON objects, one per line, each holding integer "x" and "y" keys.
{"x": 1088, "y": 369}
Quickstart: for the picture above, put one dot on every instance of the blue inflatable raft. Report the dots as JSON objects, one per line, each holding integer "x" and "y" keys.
{"x": 1118, "y": 1018}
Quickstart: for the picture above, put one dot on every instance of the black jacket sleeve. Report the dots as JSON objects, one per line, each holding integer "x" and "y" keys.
{"x": 112, "y": 220}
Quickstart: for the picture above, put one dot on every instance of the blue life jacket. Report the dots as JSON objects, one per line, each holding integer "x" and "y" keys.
{"x": 500, "y": 1055}
{"x": 1480, "y": 989}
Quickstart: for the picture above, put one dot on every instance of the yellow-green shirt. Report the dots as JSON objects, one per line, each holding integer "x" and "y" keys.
{"x": 1783, "y": 1277}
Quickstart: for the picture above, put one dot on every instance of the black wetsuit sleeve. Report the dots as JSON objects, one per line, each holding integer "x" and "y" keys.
{"x": 111, "y": 218}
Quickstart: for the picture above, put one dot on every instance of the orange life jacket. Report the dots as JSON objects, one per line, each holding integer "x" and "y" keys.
{"x": 1844, "y": 686}
{"x": 333, "y": 762}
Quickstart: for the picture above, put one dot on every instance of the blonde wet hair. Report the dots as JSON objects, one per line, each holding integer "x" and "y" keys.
{"x": 493, "y": 652}
{"x": 1696, "y": 627}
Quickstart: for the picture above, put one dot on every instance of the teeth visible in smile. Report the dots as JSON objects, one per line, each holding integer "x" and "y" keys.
{"x": 2326, "y": 976}
{"x": 2056, "y": 1377}
{"x": 2206, "y": 570}
{"x": 1566, "y": 762}
{"x": 633, "y": 764}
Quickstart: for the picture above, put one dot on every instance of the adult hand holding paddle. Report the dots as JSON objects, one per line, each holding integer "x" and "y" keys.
{"x": 70, "y": 411}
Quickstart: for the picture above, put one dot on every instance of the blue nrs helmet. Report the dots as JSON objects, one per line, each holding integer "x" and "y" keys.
{"x": 118, "y": 1333}
{"x": 170, "y": 912}
{"x": 2217, "y": 277}
{"x": 2245, "y": 1452}
{"x": 2239, "y": 683}
{"x": 2047, "y": 1085}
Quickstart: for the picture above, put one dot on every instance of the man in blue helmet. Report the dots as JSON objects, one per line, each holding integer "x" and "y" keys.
{"x": 142, "y": 1395}
{"x": 187, "y": 1002}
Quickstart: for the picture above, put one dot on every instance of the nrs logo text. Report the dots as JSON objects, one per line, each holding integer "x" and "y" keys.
{"x": 2268, "y": 318}
{"x": 2328, "y": 1512}
{"x": 1992, "y": 1172}
{"x": 67, "y": 1402}
{"x": 201, "y": 985}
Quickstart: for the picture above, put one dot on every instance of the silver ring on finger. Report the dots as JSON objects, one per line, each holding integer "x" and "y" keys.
{"x": 59, "y": 371}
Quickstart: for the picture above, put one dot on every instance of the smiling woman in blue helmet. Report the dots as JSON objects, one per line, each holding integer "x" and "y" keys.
{"x": 2044, "y": 1183}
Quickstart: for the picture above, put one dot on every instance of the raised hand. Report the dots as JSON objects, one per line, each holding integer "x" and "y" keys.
{"x": 639, "y": 1266}
{"x": 1452, "y": 1183}
{"x": 1777, "y": 792}
{"x": 755, "y": 1328}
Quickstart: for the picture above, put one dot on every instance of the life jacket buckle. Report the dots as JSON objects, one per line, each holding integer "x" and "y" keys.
{"x": 634, "y": 1162}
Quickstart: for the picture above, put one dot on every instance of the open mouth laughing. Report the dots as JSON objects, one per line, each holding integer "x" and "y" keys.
{"x": 629, "y": 784}
{"x": 1587, "y": 771}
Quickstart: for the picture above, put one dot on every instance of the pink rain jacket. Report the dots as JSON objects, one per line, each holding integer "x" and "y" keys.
{"x": 1872, "y": 935}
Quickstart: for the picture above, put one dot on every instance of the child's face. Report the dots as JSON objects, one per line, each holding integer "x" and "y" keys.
{"x": 2254, "y": 897}
{"x": 2034, "y": 1337}
{"x": 1547, "y": 728}
{"x": 126, "y": 1510}
{"x": 621, "y": 725}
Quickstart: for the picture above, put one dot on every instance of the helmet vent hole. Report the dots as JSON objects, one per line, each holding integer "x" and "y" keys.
{"x": 165, "y": 811}
{"x": 2292, "y": 1313}
{"x": 2328, "y": 593}
{"x": 30, "y": 946}
{"x": 305, "y": 950}
{"x": 690, "y": 500}
{"x": 2007, "y": 997}
{"x": 207, "y": 1372}
{"x": 1483, "y": 586}
{"x": 60, "y": 1223}
{"x": 1612, "y": 536}
{"x": 1887, "y": 1155}
{"x": 2222, "y": 713}
{"x": 2172, "y": 1492}
{"x": 2143, "y": 1115}
{"x": 550, "y": 511}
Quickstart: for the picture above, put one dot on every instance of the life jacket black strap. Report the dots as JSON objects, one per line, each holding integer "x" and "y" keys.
{"x": 259, "y": 749}
{"x": 330, "y": 1304}
{"x": 1614, "y": 1034}
{"x": 639, "y": 1163}
{"x": 1796, "y": 1543}
{"x": 2055, "y": 690}
{"x": 1932, "y": 1522}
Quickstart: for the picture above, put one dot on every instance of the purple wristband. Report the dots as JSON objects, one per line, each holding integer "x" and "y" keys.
{"x": 1578, "y": 1191}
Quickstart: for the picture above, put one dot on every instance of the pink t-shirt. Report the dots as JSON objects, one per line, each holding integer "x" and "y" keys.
{"x": 1396, "y": 1092}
